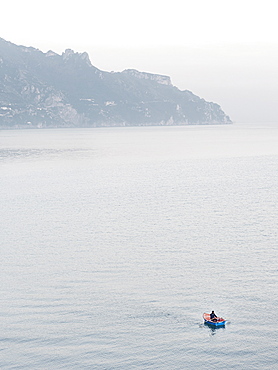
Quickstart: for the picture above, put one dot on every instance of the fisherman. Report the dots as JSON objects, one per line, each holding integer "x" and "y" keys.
{"x": 213, "y": 317}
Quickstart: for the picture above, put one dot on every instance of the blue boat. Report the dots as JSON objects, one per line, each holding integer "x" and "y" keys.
{"x": 218, "y": 322}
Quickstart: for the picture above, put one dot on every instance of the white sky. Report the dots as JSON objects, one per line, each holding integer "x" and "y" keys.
{"x": 224, "y": 51}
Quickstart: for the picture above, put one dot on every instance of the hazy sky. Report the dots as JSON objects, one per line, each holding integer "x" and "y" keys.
{"x": 224, "y": 51}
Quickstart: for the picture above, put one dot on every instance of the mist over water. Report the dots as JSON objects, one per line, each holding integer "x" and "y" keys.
{"x": 114, "y": 242}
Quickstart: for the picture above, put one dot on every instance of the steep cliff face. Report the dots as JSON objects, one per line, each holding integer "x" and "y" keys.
{"x": 49, "y": 90}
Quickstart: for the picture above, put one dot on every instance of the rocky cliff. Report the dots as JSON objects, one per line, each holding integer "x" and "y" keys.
{"x": 49, "y": 90}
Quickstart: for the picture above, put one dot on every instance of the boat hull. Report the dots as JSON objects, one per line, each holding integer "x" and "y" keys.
{"x": 220, "y": 322}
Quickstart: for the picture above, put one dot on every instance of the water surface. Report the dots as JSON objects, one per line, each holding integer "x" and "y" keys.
{"x": 114, "y": 241}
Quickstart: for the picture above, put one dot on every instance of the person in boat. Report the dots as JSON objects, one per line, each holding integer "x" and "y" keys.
{"x": 213, "y": 317}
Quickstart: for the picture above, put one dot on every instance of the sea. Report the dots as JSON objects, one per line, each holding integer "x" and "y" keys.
{"x": 115, "y": 241}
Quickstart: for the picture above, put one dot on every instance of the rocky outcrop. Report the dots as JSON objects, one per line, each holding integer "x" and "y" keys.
{"x": 163, "y": 80}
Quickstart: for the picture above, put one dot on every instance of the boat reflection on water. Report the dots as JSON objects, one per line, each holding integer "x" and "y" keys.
{"x": 214, "y": 329}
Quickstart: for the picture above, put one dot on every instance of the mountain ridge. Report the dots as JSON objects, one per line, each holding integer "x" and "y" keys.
{"x": 50, "y": 90}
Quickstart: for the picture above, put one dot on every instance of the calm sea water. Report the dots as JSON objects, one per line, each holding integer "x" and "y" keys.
{"x": 115, "y": 241}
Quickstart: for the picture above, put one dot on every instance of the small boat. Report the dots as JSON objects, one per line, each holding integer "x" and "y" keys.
{"x": 215, "y": 322}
